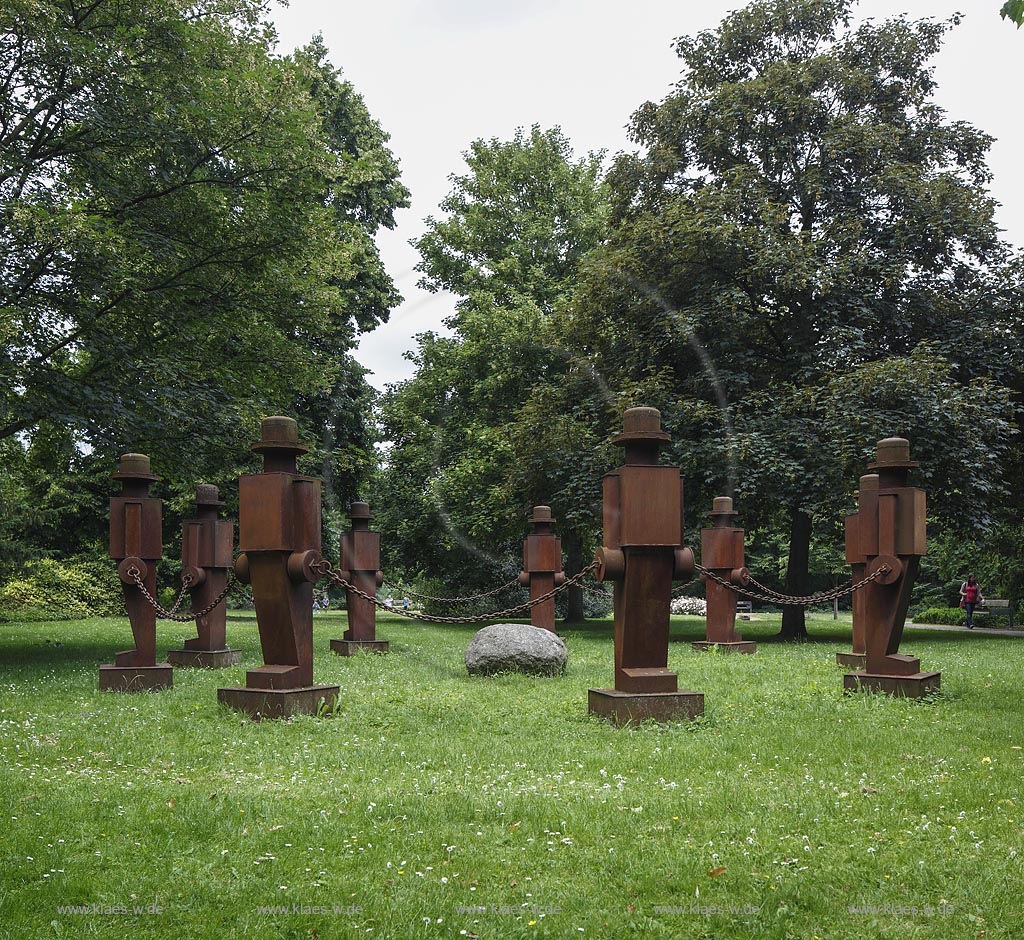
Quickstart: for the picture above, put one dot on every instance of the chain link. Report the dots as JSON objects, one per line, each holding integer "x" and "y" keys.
{"x": 186, "y": 580}
{"x": 326, "y": 569}
{"x": 791, "y": 600}
{"x": 454, "y": 600}
{"x": 134, "y": 574}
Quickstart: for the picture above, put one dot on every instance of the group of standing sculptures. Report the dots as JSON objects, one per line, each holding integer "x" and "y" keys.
{"x": 642, "y": 554}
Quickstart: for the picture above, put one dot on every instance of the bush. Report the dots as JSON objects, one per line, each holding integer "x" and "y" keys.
{"x": 692, "y": 606}
{"x": 952, "y": 616}
{"x": 64, "y": 590}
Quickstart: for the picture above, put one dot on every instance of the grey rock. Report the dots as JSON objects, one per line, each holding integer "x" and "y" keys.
{"x": 516, "y": 647}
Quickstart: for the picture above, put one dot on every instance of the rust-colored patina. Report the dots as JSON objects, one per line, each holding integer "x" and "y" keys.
{"x": 858, "y": 562}
{"x": 136, "y": 543}
{"x": 360, "y": 566}
{"x": 890, "y": 531}
{"x": 279, "y": 519}
{"x": 542, "y": 566}
{"x": 721, "y": 551}
{"x": 642, "y": 555}
{"x": 207, "y": 548}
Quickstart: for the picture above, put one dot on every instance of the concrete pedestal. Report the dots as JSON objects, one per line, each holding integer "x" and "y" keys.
{"x": 351, "y": 647}
{"x": 852, "y": 660}
{"x": 204, "y": 659}
{"x": 136, "y": 678}
{"x": 732, "y": 646}
{"x": 625, "y": 707}
{"x": 278, "y": 703}
{"x": 913, "y": 686}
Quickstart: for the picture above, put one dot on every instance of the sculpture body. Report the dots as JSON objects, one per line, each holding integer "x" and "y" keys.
{"x": 542, "y": 567}
{"x": 722, "y": 551}
{"x": 359, "y": 565}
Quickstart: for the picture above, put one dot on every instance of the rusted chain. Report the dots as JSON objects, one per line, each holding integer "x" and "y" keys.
{"x": 791, "y": 600}
{"x": 186, "y": 580}
{"x": 327, "y": 570}
{"x": 134, "y": 574}
{"x": 454, "y": 600}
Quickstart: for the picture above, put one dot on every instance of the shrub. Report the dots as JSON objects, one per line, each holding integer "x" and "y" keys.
{"x": 79, "y": 587}
{"x": 952, "y": 616}
{"x": 692, "y": 606}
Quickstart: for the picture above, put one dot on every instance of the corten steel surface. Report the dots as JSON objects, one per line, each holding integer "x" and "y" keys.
{"x": 136, "y": 543}
{"x": 207, "y": 546}
{"x": 642, "y": 554}
{"x": 279, "y": 542}
{"x": 542, "y": 566}
{"x": 858, "y": 561}
{"x": 359, "y": 565}
{"x": 721, "y": 550}
{"x": 624, "y": 708}
{"x": 889, "y": 530}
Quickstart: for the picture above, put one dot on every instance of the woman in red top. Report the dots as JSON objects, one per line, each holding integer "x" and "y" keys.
{"x": 970, "y": 596}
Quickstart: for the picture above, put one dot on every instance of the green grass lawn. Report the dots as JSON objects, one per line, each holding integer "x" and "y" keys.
{"x": 438, "y": 805}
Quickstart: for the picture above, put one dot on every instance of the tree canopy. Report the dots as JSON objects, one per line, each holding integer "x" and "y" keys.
{"x": 186, "y": 219}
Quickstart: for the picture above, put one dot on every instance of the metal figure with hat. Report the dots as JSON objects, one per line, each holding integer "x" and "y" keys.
{"x": 207, "y": 548}
{"x": 542, "y": 567}
{"x": 642, "y": 554}
{"x": 721, "y": 551}
{"x": 136, "y": 543}
{"x": 360, "y": 567}
{"x": 279, "y": 521}
{"x": 891, "y": 534}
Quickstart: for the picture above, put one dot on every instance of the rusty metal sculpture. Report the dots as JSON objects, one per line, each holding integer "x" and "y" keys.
{"x": 721, "y": 551}
{"x": 136, "y": 543}
{"x": 542, "y": 567}
{"x": 642, "y": 554}
{"x": 279, "y": 522}
{"x": 858, "y": 562}
{"x": 891, "y": 535}
{"x": 359, "y": 565}
{"x": 207, "y": 548}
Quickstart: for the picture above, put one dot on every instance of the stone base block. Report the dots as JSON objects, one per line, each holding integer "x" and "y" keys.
{"x": 204, "y": 659}
{"x": 625, "y": 707}
{"x": 278, "y": 703}
{"x": 732, "y": 646}
{"x": 136, "y": 678}
{"x": 915, "y": 686}
{"x": 852, "y": 660}
{"x": 351, "y": 647}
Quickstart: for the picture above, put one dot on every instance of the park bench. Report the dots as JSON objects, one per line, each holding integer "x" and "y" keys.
{"x": 744, "y": 608}
{"x": 996, "y": 605}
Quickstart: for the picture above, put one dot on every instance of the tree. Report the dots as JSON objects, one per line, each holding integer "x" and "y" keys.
{"x": 1013, "y": 10}
{"x": 186, "y": 223}
{"x": 803, "y": 259}
{"x": 515, "y": 228}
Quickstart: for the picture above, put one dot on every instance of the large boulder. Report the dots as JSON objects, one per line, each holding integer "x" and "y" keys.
{"x": 516, "y": 647}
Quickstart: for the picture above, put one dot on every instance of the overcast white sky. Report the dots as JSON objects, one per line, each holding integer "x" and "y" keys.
{"x": 438, "y": 74}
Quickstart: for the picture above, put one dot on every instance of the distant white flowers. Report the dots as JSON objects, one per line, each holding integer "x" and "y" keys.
{"x": 693, "y": 606}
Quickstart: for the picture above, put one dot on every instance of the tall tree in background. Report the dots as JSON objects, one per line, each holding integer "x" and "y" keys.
{"x": 515, "y": 228}
{"x": 186, "y": 231}
{"x": 804, "y": 227}
{"x": 186, "y": 220}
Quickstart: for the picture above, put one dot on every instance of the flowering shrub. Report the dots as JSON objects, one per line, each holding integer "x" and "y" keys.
{"x": 692, "y": 606}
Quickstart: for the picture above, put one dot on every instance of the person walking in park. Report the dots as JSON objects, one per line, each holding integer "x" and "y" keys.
{"x": 970, "y": 597}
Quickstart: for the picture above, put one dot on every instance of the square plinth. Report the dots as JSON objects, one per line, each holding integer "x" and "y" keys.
{"x": 279, "y": 703}
{"x": 136, "y": 678}
{"x": 852, "y": 660}
{"x": 916, "y": 686}
{"x": 625, "y": 707}
{"x": 351, "y": 647}
{"x": 732, "y": 646}
{"x": 204, "y": 659}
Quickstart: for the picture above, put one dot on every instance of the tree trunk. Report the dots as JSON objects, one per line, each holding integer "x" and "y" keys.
{"x": 573, "y": 564}
{"x": 794, "y": 626}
